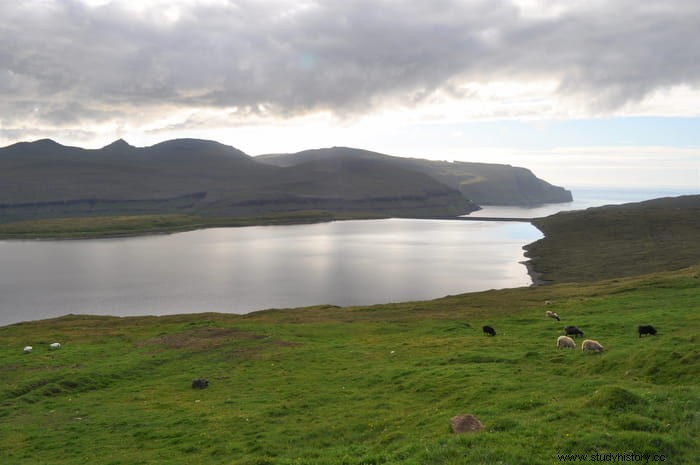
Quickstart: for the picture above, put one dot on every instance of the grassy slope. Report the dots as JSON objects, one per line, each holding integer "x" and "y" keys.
{"x": 369, "y": 384}
{"x": 364, "y": 385}
{"x": 620, "y": 240}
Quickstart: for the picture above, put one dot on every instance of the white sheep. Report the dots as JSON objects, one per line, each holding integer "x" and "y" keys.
{"x": 552, "y": 314}
{"x": 27, "y": 349}
{"x": 55, "y": 345}
{"x": 591, "y": 345}
{"x": 565, "y": 342}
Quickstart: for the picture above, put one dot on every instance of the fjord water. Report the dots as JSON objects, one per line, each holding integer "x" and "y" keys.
{"x": 239, "y": 270}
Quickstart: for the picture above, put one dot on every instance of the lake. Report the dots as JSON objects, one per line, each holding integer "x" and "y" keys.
{"x": 239, "y": 270}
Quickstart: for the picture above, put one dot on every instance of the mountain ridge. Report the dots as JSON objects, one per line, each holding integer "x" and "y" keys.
{"x": 481, "y": 183}
{"x": 44, "y": 179}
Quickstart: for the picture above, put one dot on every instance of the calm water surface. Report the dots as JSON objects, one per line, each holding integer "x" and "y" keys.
{"x": 239, "y": 270}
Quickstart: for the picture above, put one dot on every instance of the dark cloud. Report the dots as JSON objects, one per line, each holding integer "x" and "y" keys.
{"x": 346, "y": 57}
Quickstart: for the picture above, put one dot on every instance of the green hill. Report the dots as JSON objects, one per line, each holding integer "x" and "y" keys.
{"x": 198, "y": 178}
{"x": 618, "y": 240}
{"x": 46, "y": 180}
{"x": 363, "y": 385}
{"x": 379, "y": 384}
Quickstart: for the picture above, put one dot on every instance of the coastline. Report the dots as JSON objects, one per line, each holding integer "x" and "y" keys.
{"x": 535, "y": 276}
{"x": 62, "y": 228}
{"x": 111, "y": 227}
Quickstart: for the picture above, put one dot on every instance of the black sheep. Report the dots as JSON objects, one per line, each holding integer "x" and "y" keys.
{"x": 572, "y": 331}
{"x": 489, "y": 331}
{"x": 646, "y": 329}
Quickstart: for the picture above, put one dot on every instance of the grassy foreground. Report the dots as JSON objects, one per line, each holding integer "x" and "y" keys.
{"x": 364, "y": 385}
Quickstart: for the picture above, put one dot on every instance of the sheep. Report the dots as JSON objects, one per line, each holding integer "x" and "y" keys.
{"x": 548, "y": 302}
{"x": 488, "y": 330}
{"x": 27, "y": 349}
{"x": 646, "y": 329}
{"x": 552, "y": 314}
{"x": 55, "y": 345}
{"x": 591, "y": 346}
{"x": 573, "y": 331}
{"x": 565, "y": 342}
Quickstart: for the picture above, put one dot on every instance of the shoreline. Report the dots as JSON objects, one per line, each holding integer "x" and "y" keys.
{"x": 114, "y": 227}
{"x": 535, "y": 276}
{"x": 115, "y": 232}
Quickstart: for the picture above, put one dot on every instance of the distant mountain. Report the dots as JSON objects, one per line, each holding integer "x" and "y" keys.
{"x": 481, "y": 183}
{"x": 44, "y": 179}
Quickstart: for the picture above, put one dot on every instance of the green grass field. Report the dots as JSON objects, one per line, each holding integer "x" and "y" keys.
{"x": 364, "y": 385}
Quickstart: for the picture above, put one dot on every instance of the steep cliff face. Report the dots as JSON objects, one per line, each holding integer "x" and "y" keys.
{"x": 507, "y": 185}
{"x": 480, "y": 183}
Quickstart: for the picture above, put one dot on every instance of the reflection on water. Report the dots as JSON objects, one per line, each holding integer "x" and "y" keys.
{"x": 239, "y": 270}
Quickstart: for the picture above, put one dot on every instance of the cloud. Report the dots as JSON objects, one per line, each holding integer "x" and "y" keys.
{"x": 86, "y": 60}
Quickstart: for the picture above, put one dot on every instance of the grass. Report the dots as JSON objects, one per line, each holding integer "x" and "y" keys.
{"x": 614, "y": 241}
{"x": 363, "y": 385}
{"x": 379, "y": 384}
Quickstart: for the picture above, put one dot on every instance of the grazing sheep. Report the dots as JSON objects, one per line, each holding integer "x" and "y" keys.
{"x": 552, "y": 314}
{"x": 573, "y": 331}
{"x": 589, "y": 345}
{"x": 55, "y": 345}
{"x": 646, "y": 329}
{"x": 27, "y": 349}
{"x": 548, "y": 302}
{"x": 489, "y": 331}
{"x": 565, "y": 342}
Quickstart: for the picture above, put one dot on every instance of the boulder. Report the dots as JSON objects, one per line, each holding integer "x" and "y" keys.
{"x": 200, "y": 383}
{"x": 465, "y": 423}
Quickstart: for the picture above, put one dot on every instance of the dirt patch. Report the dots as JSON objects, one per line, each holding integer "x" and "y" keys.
{"x": 200, "y": 339}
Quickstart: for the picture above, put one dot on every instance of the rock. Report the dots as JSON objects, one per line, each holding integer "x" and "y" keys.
{"x": 200, "y": 383}
{"x": 465, "y": 423}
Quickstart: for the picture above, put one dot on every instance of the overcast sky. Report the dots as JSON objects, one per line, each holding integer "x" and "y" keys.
{"x": 491, "y": 80}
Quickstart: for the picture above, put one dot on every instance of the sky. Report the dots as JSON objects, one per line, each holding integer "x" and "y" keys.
{"x": 584, "y": 92}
